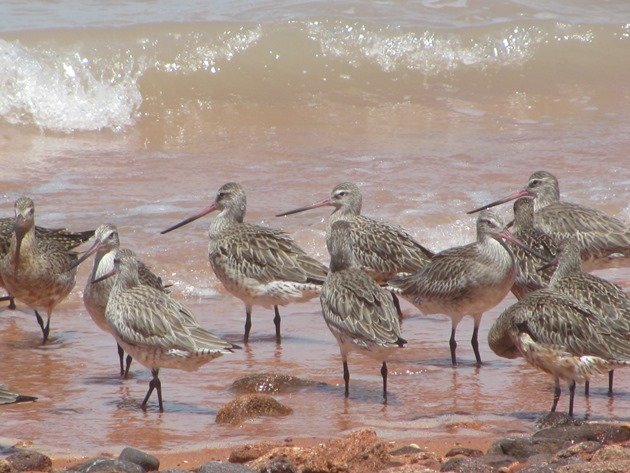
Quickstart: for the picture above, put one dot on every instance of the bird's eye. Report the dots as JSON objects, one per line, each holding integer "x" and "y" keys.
{"x": 534, "y": 182}
{"x": 341, "y": 193}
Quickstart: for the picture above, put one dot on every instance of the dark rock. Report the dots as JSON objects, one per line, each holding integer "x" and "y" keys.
{"x": 271, "y": 383}
{"x": 466, "y": 452}
{"x": 107, "y": 465}
{"x": 250, "y": 452}
{"x": 485, "y": 464}
{"x": 522, "y": 448}
{"x": 224, "y": 467}
{"x": 146, "y": 461}
{"x": 250, "y": 406}
{"x": 278, "y": 465}
{"x": 408, "y": 450}
{"x": 29, "y": 460}
{"x": 454, "y": 464}
{"x": 598, "y": 432}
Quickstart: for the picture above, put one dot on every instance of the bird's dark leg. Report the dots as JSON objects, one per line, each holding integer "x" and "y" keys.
{"x": 475, "y": 342}
{"x": 248, "y": 322}
{"x": 587, "y": 386}
{"x": 9, "y": 298}
{"x": 384, "y": 375}
{"x": 571, "y": 397}
{"x": 45, "y": 328}
{"x": 154, "y": 384}
{"x": 128, "y": 361}
{"x": 556, "y": 395}
{"x": 276, "y": 322}
{"x": 611, "y": 375}
{"x": 346, "y": 377}
{"x": 453, "y": 344}
{"x": 121, "y": 356}
{"x": 397, "y": 305}
{"x": 40, "y": 321}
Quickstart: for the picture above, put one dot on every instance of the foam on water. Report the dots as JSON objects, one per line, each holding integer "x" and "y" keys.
{"x": 59, "y": 90}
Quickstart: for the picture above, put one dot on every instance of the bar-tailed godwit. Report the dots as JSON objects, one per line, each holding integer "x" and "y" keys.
{"x": 598, "y": 234}
{"x": 36, "y": 271}
{"x": 561, "y": 336}
{"x": 95, "y": 295}
{"x": 465, "y": 280}
{"x": 259, "y": 265}
{"x": 67, "y": 239}
{"x": 530, "y": 275}
{"x": 358, "y": 312}
{"x": 606, "y": 299}
{"x": 156, "y": 330}
{"x": 381, "y": 249}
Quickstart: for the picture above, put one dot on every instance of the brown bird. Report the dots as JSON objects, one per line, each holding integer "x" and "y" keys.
{"x": 259, "y": 265}
{"x": 465, "y": 280}
{"x": 67, "y": 239}
{"x": 381, "y": 249}
{"x": 155, "y": 329}
{"x": 561, "y": 336}
{"x": 35, "y": 270}
{"x": 96, "y": 295}
{"x": 356, "y": 309}
{"x": 598, "y": 234}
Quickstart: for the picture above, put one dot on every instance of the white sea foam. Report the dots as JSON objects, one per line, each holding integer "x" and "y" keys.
{"x": 62, "y": 91}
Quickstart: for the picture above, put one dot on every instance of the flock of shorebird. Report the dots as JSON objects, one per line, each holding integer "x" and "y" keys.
{"x": 566, "y": 322}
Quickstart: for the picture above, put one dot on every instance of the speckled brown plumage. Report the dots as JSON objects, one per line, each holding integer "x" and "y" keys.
{"x": 598, "y": 234}
{"x": 36, "y": 271}
{"x": 529, "y": 276}
{"x": 259, "y": 265}
{"x": 465, "y": 280}
{"x": 606, "y": 299}
{"x": 96, "y": 295}
{"x": 358, "y": 312}
{"x": 155, "y": 329}
{"x": 562, "y": 325}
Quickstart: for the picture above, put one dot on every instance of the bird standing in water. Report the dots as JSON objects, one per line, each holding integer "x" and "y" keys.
{"x": 259, "y": 265}
{"x": 381, "y": 249}
{"x": 358, "y": 312}
{"x": 156, "y": 330}
{"x": 37, "y": 271}
{"x": 96, "y": 295}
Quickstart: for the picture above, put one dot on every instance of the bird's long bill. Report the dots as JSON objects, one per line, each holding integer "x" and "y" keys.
{"x": 316, "y": 205}
{"x": 93, "y": 249}
{"x": 205, "y": 211}
{"x": 514, "y": 196}
{"x": 506, "y": 235}
{"x": 104, "y": 276}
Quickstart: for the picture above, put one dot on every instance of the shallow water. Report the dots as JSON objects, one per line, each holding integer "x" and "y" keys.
{"x": 143, "y": 144}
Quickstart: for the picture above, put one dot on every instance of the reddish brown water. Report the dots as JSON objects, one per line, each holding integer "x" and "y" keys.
{"x": 417, "y": 167}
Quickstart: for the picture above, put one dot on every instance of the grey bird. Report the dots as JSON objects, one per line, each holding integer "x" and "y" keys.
{"x": 259, "y": 265}
{"x": 598, "y": 234}
{"x": 358, "y": 312}
{"x": 381, "y": 249}
{"x": 96, "y": 295}
{"x": 155, "y": 329}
